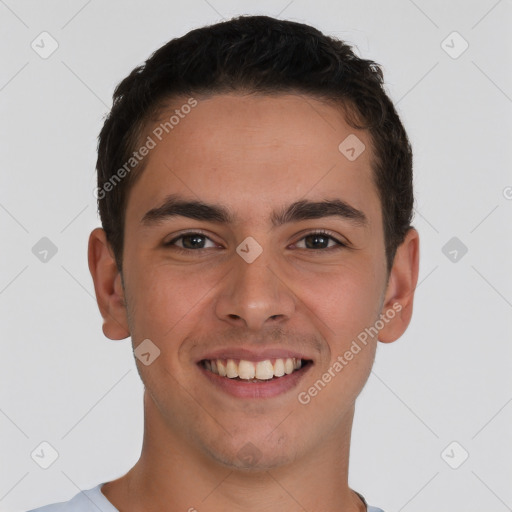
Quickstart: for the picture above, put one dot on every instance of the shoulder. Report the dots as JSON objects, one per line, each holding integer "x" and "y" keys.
{"x": 85, "y": 501}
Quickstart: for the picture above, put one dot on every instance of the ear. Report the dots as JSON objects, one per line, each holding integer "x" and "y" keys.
{"x": 108, "y": 286}
{"x": 400, "y": 289}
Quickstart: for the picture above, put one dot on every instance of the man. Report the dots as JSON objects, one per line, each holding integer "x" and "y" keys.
{"x": 255, "y": 193}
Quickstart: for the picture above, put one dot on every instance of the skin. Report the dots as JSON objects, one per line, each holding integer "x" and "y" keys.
{"x": 253, "y": 154}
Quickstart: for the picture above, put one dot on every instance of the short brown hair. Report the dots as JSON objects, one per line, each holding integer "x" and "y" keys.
{"x": 256, "y": 54}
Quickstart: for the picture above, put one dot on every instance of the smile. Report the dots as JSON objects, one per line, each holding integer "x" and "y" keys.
{"x": 252, "y": 371}
{"x": 255, "y": 379}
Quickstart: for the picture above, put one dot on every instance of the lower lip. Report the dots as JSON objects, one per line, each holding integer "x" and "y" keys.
{"x": 265, "y": 389}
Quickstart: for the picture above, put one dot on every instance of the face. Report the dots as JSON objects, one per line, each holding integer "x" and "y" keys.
{"x": 248, "y": 280}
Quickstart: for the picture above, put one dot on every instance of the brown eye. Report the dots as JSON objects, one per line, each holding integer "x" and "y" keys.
{"x": 320, "y": 240}
{"x": 190, "y": 241}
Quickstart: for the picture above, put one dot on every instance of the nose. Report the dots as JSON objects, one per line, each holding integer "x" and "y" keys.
{"x": 255, "y": 295}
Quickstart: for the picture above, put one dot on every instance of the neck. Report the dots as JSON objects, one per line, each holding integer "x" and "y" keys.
{"x": 171, "y": 475}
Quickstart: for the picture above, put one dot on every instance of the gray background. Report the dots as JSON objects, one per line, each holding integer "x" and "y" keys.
{"x": 447, "y": 379}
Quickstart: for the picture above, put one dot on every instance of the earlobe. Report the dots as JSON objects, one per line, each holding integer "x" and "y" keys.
{"x": 399, "y": 297}
{"x": 108, "y": 286}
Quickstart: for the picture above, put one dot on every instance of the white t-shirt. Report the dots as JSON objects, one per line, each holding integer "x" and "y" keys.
{"x": 93, "y": 500}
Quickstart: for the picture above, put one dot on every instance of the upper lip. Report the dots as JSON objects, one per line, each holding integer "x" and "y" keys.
{"x": 253, "y": 355}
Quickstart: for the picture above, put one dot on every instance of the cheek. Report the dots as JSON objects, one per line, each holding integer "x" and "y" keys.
{"x": 346, "y": 301}
{"x": 345, "y": 305}
{"x": 167, "y": 299}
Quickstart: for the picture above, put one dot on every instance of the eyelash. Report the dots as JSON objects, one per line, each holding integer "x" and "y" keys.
{"x": 340, "y": 245}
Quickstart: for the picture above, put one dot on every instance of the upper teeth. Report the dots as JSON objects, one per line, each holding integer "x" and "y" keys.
{"x": 263, "y": 370}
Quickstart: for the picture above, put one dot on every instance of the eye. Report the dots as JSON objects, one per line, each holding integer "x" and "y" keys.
{"x": 190, "y": 241}
{"x": 320, "y": 240}
{"x": 195, "y": 241}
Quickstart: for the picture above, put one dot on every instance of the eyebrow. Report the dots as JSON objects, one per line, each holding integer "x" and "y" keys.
{"x": 175, "y": 205}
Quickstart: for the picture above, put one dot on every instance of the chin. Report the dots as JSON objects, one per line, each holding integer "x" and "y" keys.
{"x": 253, "y": 456}
{"x": 254, "y": 461}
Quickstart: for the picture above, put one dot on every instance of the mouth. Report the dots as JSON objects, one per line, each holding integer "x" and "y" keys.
{"x": 258, "y": 371}
{"x": 255, "y": 379}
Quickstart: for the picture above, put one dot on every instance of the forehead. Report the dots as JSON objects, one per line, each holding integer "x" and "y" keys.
{"x": 254, "y": 151}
